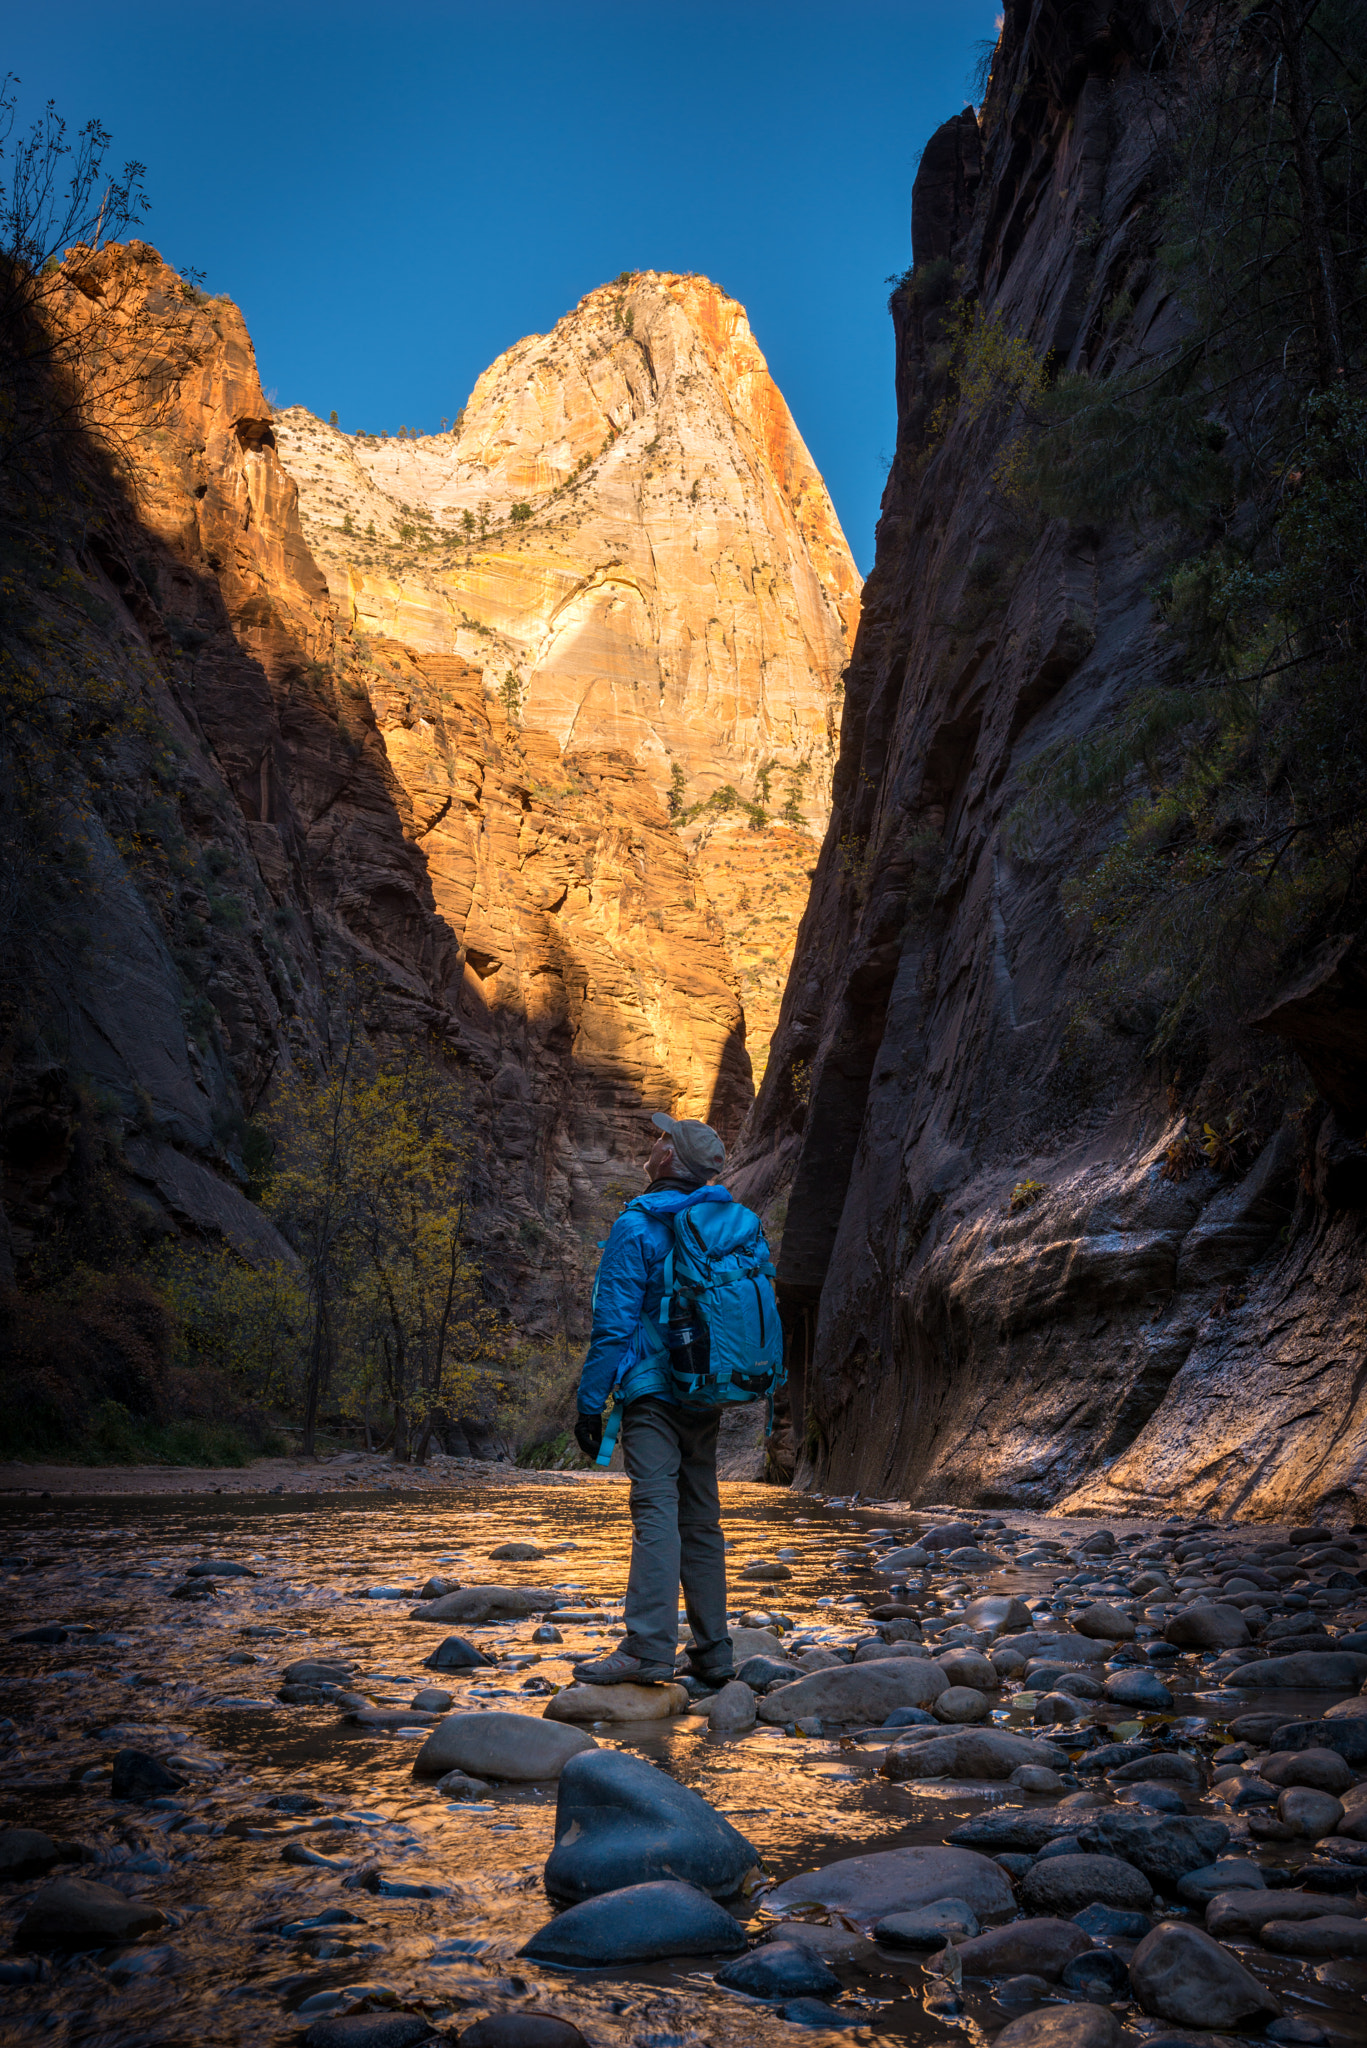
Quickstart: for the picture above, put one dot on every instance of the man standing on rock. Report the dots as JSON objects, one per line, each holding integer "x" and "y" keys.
{"x": 670, "y": 1452}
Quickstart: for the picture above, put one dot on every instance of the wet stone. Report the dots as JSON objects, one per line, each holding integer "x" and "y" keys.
{"x": 1332, "y": 1937}
{"x": 895, "y": 1880}
{"x": 1180, "y": 1974}
{"x": 521, "y": 2030}
{"x": 141, "y": 1777}
{"x": 499, "y": 1745}
{"x": 1062, "y": 2026}
{"x": 638, "y": 1923}
{"x": 456, "y": 1654}
{"x": 73, "y": 1913}
{"x": 1099, "y": 1973}
{"x": 1164, "y": 1848}
{"x": 219, "y": 1568}
{"x": 26, "y": 1852}
{"x": 814, "y": 2012}
{"x": 1043, "y": 1946}
{"x": 620, "y": 1822}
{"x": 1138, "y": 1688}
{"x": 1323, "y": 1769}
{"x": 780, "y": 1969}
{"x": 1235, "y": 1873}
{"x": 759, "y": 1673}
{"x": 929, "y": 1926}
{"x": 1106, "y": 1923}
{"x": 1064, "y": 1884}
{"x": 369, "y": 2030}
{"x": 1309, "y": 1814}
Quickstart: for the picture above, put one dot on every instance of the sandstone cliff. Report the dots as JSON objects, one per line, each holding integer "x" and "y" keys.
{"x": 626, "y": 539}
{"x": 299, "y": 785}
{"x": 1008, "y": 1272}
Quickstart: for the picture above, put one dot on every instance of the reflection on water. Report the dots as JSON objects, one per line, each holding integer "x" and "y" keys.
{"x": 292, "y": 1814}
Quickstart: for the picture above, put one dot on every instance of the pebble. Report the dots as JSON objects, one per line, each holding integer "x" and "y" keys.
{"x": 546, "y": 1632}
{"x": 620, "y": 1822}
{"x": 1178, "y": 1973}
{"x": 456, "y": 1654}
{"x": 500, "y": 1745}
{"x": 637, "y": 1923}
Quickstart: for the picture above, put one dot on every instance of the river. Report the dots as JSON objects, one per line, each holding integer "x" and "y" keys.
{"x": 195, "y": 1682}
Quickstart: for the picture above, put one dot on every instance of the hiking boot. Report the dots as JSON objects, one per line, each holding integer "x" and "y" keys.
{"x": 621, "y": 1669}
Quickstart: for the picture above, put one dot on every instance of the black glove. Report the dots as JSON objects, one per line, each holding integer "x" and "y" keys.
{"x": 588, "y": 1434}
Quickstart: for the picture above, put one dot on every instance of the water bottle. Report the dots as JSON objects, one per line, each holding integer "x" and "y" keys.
{"x": 686, "y": 1334}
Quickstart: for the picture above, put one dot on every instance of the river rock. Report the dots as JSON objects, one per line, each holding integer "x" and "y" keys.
{"x": 1179, "y": 1974}
{"x": 318, "y": 1671}
{"x": 456, "y": 1654}
{"x": 759, "y": 1673}
{"x": 780, "y": 1969}
{"x": 142, "y": 1777}
{"x": 1023, "y": 1829}
{"x": 867, "y": 1888}
{"x": 977, "y": 1753}
{"x": 857, "y": 1692}
{"x": 1170, "y": 1764}
{"x": 768, "y": 1572}
{"x": 219, "y": 1568}
{"x": 876, "y": 1648}
{"x": 621, "y": 1703}
{"x": 1080, "y": 1685}
{"x": 994, "y": 1613}
{"x": 73, "y": 1913}
{"x": 1354, "y": 1822}
{"x": 1062, "y": 2026}
{"x": 962, "y": 1703}
{"x": 1333, "y": 1938}
{"x": 1346, "y": 1737}
{"x": 369, "y": 2030}
{"x": 515, "y": 1552}
{"x": 1064, "y": 1884}
{"x": 947, "y": 1536}
{"x": 1337, "y": 1671}
{"x": 910, "y": 1557}
{"x": 1104, "y": 1623}
{"x": 25, "y": 1852}
{"x": 1242, "y": 1790}
{"x": 460, "y": 1785}
{"x": 521, "y": 2030}
{"x": 1058, "y": 1710}
{"x": 432, "y": 1700}
{"x": 1043, "y": 1946}
{"x": 1322, "y": 1768}
{"x": 637, "y": 1924}
{"x": 833, "y": 1944}
{"x": 815, "y": 2012}
{"x": 928, "y": 1926}
{"x": 1236, "y": 1913}
{"x": 436, "y": 1586}
{"x": 1164, "y": 1846}
{"x": 1036, "y": 1778}
{"x": 486, "y": 1603}
{"x": 969, "y": 1667}
{"x": 1308, "y": 1813}
{"x": 1235, "y": 1873}
{"x": 620, "y": 1822}
{"x": 731, "y": 1710}
{"x": 1138, "y": 1688}
{"x": 1207, "y": 1625}
{"x": 499, "y": 1745}
{"x": 1099, "y": 1973}
{"x": 1105, "y": 1923}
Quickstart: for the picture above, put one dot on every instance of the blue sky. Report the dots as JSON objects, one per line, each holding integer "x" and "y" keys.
{"x": 396, "y": 194}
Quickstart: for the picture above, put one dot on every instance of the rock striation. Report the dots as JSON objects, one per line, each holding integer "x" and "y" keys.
{"x": 1001, "y": 1284}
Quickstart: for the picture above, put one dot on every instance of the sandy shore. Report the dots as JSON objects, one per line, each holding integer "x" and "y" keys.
{"x": 350, "y": 1472}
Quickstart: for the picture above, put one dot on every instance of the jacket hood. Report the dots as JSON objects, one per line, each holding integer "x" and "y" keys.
{"x": 669, "y": 1201}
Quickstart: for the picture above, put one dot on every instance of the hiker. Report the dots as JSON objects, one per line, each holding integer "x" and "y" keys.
{"x": 684, "y": 1324}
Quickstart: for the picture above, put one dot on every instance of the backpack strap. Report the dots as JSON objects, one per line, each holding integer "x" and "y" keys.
{"x": 611, "y": 1431}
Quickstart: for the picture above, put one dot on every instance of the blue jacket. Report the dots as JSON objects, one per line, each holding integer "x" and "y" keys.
{"x": 626, "y": 1350}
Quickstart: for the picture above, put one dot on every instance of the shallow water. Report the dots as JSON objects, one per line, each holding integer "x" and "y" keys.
{"x": 155, "y": 1673}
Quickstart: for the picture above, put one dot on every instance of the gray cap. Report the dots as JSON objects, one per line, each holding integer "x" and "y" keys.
{"x": 698, "y": 1149}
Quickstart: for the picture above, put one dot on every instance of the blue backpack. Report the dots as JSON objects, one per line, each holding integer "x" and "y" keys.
{"x": 718, "y": 1288}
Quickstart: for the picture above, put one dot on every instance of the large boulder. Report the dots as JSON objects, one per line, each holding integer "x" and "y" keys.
{"x": 1065, "y": 1884}
{"x": 868, "y": 1888}
{"x": 1042, "y": 1947}
{"x": 976, "y": 1753}
{"x": 638, "y": 1924}
{"x": 517, "y": 1746}
{"x": 73, "y": 1913}
{"x": 620, "y": 1823}
{"x": 857, "y": 1692}
{"x": 1164, "y": 1846}
{"x": 1333, "y": 1671}
{"x": 1181, "y": 1975}
{"x": 617, "y": 1703}
{"x": 1207, "y": 1625}
{"x": 487, "y": 1603}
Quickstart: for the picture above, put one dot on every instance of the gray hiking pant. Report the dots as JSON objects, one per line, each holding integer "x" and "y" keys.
{"x": 671, "y": 1460}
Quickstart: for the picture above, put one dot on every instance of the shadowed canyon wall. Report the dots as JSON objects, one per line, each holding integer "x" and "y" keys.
{"x": 996, "y": 1287}
{"x": 314, "y": 778}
